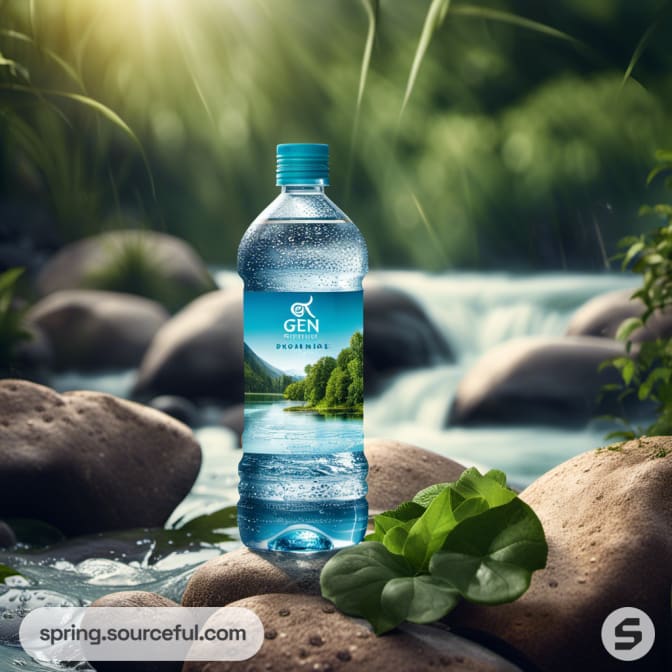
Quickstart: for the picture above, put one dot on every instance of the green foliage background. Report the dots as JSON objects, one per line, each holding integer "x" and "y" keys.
{"x": 519, "y": 145}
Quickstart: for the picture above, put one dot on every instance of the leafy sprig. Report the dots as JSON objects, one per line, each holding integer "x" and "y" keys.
{"x": 472, "y": 539}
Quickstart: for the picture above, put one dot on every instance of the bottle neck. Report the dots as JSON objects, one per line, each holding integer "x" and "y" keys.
{"x": 303, "y": 189}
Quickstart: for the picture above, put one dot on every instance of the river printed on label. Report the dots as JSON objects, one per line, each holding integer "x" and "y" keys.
{"x": 304, "y": 379}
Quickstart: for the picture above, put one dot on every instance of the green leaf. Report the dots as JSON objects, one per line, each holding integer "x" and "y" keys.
{"x": 628, "y": 327}
{"x": 430, "y": 531}
{"x": 395, "y": 538}
{"x": 472, "y": 484}
{"x": 9, "y": 278}
{"x": 632, "y": 252}
{"x": 425, "y": 497}
{"x": 628, "y": 371}
{"x": 406, "y": 511}
{"x": 419, "y": 599}
{"x": 6, "y": 572}
{"x": 35, "y": 533}
{"x": 490, "y": 558}
{"x": 354, "y": 580}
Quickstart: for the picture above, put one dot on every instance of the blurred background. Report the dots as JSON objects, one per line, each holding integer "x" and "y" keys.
{"x": 520, "y": 145}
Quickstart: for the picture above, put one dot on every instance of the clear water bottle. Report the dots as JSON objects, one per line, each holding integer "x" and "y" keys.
{"x": 303, "y": 471}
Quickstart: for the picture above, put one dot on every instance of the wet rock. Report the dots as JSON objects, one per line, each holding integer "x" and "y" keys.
{"x": 607, "y": 515}
{"x": 97, "y": 462}
{"x": 398, "y": 335}
{"x": 7, "y": 536}
{"x": 234, "y": 418}
{"x": 135, "y": 598}
{"x": 243, "y": 573}
{"x": 397, "y": 471}
{"x": 603, "y": 315}
{"x": 177, "y": 407}
{"x": 199, "y": 353}
{"x": 94, "y": 330}
{"x": 537, "y": 381}
{"x": 308, "y": 633}
{"x": 163, "y": 267}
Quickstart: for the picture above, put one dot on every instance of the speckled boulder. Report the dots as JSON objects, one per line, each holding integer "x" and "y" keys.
{"x": 603, "y": 315}
{"x": 397, "y": 471}
{"x": 243, "y": 573}
{"x": 87, "y": 462}
{"x": 94, "y": 330}
{"x": 308, "y": 633}
{"x": 608, "y": 520}
{"x": 536, "y": 380}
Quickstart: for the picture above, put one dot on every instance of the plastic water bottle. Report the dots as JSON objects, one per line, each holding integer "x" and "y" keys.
{"x": 303, "y": 471}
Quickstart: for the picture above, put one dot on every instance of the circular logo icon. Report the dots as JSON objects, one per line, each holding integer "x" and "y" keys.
{"x": 628, "y": 633}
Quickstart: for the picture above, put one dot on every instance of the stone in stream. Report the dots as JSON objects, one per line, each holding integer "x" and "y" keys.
{"x": 177, "y": 407}
{"x": 96, "y": 330}
{"x": 537, "y": 380}
{"x": 306, "y": 632}
{"x": 7, "y": 536}
{"x": 607, "y": 515}
{"x": 399, "y": 335}
{"x": 603, "y": 315}
{"x": 88, "y": 462}
{"x": 169, "y": 270}
{"x": 135, "y": 598}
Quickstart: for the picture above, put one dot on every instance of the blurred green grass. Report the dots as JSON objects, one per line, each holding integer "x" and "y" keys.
{"x": 517, "y": 148}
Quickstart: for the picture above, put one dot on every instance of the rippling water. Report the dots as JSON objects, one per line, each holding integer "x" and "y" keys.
{"x": 474, "y": 311}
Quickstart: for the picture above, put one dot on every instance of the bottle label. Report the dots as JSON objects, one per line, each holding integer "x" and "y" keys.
{"x": 304, "y": 374}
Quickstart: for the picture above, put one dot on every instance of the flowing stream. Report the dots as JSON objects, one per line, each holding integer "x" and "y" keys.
{"x": 475, "y": 311}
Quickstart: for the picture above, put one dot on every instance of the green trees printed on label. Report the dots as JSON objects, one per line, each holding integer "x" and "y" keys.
{"x": 333, "y": 383}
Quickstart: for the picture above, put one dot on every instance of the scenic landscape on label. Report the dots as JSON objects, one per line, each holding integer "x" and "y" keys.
{"x": 330, "y": 385}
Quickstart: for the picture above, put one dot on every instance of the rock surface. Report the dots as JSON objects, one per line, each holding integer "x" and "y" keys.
{"x": 177, "y": 407}
{"x": 244, "y": 573}
{"x": 397, "y": 471}
{"x": 603, "y": 315}
{"x": 165, "y": 266}
{"x": 7, "y": 536}
{"x": 536, "y": 380}
{"x": 198, "y": 354}
{"x": 607, "y": 515}
{"x": 308, "y": 633}
{"x": 398, "y": 335}
{"x": 94, "y": 330}
{"x": 135, "y": 598}
{"x": 87, "y": 462}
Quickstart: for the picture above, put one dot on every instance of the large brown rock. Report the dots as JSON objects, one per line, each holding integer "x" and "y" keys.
{"x": 92, "y": 330}
{"x": 199, "y": 353}
{"x": 603, "y": 315}
{"x": 397, "y": 471}
{"x": 607, "y": 515}
{"x": 153, "y": 264}
{"x": 308, "y": 633}
{"x": 399, "y": 335}
{"x": 536, "y": 380}
{"x": 244, "y": 573}
{"x": 87, "y": 462}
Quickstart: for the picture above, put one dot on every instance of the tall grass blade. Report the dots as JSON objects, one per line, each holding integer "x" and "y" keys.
{"x": 52, "y": 55}
{"x": 98, "y": 107}
{"x": 643, "y": 43}
{"x": 435, "y": 16}
{"x": 514, "y": 20}
{"x": 436, "y": 241}
{"x": 371, "y": 7}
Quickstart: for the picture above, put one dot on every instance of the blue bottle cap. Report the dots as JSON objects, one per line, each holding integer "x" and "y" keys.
{"x": 302, "y": 163}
